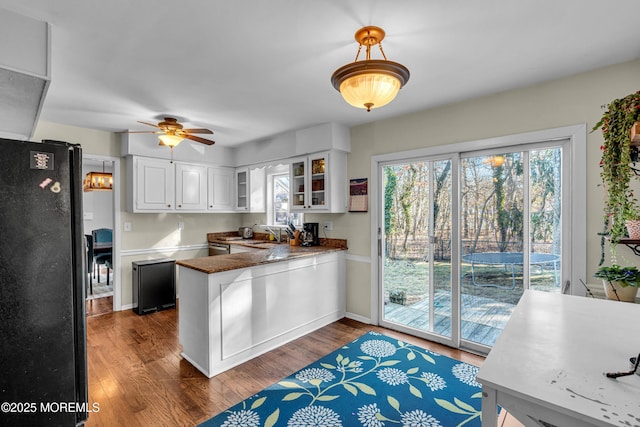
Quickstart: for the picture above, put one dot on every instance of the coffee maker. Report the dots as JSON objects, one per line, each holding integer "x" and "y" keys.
{"x": 311, "y": 237}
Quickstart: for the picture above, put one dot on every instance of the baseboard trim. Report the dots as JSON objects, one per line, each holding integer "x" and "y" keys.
{"x": 358, "y": 258}
{"x": 358, "y": 318}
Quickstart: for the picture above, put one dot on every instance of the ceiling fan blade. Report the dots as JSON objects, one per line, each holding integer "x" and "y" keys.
{"x": 198, "y": 139}
{"x": 198, "y": 130}
{"x": 150, "y": 124}
{"x": 139, "y": 131}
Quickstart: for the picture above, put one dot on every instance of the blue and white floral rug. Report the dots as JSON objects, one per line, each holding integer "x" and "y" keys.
{"x": 373, "y": 381}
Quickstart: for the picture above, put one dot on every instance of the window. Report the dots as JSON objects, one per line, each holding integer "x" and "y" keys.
{"x": 278, "y": 197}
{"x": 280, "y": 203}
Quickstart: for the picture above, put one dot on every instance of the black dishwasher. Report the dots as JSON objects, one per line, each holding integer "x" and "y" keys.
{"x": 154, "y": 285}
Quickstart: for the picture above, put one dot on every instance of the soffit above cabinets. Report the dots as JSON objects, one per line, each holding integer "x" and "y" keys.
{"x": 25, "y": 63}
{"x": 323, "y": 137}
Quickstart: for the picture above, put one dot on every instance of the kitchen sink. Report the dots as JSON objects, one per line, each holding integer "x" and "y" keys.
{"x": 265, "y": 245}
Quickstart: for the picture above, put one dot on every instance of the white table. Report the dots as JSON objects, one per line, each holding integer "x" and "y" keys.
{"x": 549, "y": 363}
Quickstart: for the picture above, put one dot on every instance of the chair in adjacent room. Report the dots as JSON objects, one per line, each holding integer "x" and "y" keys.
{"x": 89, "y": 243}
{"x": 102, "y": 240}
{"x": 103, "y": 259}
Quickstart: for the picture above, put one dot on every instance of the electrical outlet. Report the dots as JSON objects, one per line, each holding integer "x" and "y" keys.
{"x": 327, "y": 225}
{"x": 127, "y": 226}
{"x": 181, "y": 225}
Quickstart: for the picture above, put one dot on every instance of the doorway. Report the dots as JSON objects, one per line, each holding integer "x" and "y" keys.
{"x": 464, "y": 230}
{"x": 416, "y": 240}
{"x": 99, "y": 214}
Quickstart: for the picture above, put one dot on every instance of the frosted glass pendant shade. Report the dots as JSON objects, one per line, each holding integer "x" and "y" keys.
{"x": 370, "y": 90}
{"x": 370, "y": 83}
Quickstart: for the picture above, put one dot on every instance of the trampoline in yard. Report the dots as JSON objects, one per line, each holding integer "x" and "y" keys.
{"x": 509, "y": 260}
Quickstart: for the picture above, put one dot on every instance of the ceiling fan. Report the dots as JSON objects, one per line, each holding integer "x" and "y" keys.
{"x": 171, "y": 133}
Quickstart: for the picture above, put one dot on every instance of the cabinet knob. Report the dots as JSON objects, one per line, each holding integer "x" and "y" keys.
{"x": 179, "y": 206}
{"x": 168, "y": 206}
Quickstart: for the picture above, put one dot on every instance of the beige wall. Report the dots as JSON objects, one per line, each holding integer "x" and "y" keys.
{"x": 568, "y": 101}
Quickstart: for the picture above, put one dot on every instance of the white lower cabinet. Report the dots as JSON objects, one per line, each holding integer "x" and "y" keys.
{"x": 230, "y": 317}
{"x": 237, "y": 249}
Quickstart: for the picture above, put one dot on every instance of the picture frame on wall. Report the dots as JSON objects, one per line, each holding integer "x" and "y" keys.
{"x": 358, "y": 195}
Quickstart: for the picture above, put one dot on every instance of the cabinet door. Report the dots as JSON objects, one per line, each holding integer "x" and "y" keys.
{"x": 258, "y": 187}
{"x": 242, "y": 189}
{"x": 318, "y": 181}
{"x": 155, "y": 183}
{"x": 191, "y": 187}
{"x": 298, "y": 185}
{"x": 220, "y": 189}
{"x": 310, "y": 183}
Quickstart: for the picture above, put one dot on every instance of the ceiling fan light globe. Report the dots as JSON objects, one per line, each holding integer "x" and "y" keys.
{"x": 170, "y": 140}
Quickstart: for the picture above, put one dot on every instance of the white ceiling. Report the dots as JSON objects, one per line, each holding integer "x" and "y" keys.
{"x": 250, "y": 69}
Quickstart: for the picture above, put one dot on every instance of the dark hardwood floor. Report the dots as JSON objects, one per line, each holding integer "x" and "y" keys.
{"x": 137, "y": 377}
{"x": 98, "y": 306}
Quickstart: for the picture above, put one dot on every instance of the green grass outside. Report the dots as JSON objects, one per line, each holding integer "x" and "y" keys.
{"x": 412, "y": 278}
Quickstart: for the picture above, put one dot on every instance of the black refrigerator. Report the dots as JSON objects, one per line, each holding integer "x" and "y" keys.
{"x": 42, "y": 293}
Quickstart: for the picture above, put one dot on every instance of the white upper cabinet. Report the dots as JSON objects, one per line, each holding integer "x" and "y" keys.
{"x": 250, "y": 189}
{"x": 191, "y": 187}
{"x": 220, "y": 189}
{"x": 257, "y": 189}
{"x": 318, "y": 182}
{"x": 160, "y": 185}
{"x": 242, "y": 189}
{"x": 153, "y": 185}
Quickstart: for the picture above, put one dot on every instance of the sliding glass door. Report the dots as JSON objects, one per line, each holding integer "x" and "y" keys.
{"x": 505, "y": 196}
{"x": 462, "y": 237}
{"x": 416, "y": 246}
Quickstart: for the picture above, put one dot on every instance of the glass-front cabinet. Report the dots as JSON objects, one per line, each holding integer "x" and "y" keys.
{"x": 250, "y": 189}
{"x": 242, "y": 189}
{"x": 309, "y": 182}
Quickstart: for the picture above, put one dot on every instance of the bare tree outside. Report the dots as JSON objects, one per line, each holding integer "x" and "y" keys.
{"x": 418, "y": 226}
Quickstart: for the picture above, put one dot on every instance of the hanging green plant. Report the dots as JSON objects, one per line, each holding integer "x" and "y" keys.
{"x": 616, "y": 164}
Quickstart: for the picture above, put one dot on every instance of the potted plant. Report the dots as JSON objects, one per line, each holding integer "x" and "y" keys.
{"x": 617, "y": 155}
{"x": 620, "y": 283}
{"x": 633, "y": 224}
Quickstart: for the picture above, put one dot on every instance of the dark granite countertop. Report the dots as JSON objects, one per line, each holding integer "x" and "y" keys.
{"x": 265, "y": 254}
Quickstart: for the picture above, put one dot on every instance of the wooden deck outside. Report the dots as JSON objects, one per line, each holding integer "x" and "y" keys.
{"x": 483, "y": 319}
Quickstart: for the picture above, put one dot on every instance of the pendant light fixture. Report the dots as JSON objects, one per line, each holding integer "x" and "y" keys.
{"x": 98, "y": 181}
{"x": 370, "y": 83}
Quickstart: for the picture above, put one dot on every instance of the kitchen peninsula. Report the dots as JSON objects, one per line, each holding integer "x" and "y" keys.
{"x": 235, "y": 307}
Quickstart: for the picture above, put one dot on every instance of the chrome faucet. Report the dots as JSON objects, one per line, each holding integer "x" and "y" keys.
{"x": 273, "y": 233}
